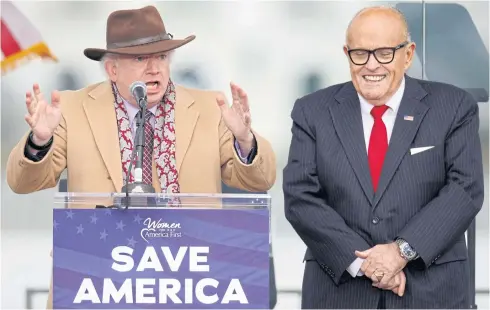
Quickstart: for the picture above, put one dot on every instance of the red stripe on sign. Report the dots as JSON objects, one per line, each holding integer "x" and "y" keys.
{"x": 9, "y": 44}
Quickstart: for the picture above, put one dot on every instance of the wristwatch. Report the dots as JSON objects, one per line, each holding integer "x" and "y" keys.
{"x": 406, "y": 251}
{"x": 41, "y": 150}
{"x": 44, "y": 147}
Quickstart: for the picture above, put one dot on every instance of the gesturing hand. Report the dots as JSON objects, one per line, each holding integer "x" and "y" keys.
{"x": 237, "y": 118}
{"x": 382, "y": 262}
{"x": 43, "y": 118}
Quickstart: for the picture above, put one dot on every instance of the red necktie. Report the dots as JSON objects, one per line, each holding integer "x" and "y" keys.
{"x": 148, "y": 151}
{"x": 378, "y": 144}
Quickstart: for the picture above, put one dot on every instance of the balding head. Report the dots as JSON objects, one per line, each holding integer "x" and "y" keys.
{"x": 381, "y": 15}
{"x": 379, "y": 50}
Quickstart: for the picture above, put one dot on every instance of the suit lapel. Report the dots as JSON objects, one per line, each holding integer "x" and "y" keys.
{"x": 347, "y": 120}
{"x": 101, "y": 115}
{"x": 403, "y": 132}
{"x": 185, "y": 123}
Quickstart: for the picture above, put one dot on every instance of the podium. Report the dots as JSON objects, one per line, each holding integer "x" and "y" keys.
{"x": 161, "y": 251}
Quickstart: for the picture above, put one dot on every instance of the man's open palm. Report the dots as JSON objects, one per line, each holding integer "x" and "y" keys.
{"x": 43, "y": 118}
{"x": 237, "y": 117}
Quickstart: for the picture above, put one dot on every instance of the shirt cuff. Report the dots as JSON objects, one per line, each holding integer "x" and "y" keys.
{"x": 34, "y": 155}
{"x": 355, "y": 268}
{"x": 246, "y": 159}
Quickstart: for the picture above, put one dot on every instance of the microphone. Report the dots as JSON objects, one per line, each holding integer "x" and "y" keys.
{"x": 138, "y": 90}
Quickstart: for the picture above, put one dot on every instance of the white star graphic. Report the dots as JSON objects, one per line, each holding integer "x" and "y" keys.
{"x": 103, "y": 235}
{"x": 93, "y": 219}
{"x": 131, "y": 242}
{"x": 120, "y": 225}
{"x": 108, "y": 211}
{"x": 55, "y": 224}
{"x": 80, "y": 229}
{"x": 138, "y": 219}
{"x": 69, "y": 214}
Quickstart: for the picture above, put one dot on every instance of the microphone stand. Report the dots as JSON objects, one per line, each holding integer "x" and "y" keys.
{"x": 138, "y": 186}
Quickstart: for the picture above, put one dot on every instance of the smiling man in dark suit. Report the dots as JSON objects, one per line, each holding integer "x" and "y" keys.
{"x": 384, "y": 177}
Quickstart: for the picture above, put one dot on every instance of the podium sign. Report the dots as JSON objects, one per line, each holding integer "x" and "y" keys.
{"x": 161, "y": 258}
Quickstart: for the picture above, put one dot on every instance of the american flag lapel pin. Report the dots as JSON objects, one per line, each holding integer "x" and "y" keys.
{"x": 408, "y": 118}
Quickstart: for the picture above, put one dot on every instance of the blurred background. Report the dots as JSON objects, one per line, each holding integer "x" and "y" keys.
{"x": 277, "y": 51}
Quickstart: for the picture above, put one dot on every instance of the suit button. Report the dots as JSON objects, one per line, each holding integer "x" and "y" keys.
{"x": 375, "y": 220}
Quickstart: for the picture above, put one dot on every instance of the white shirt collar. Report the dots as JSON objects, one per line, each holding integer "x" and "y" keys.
{"x": 393, "y": 103}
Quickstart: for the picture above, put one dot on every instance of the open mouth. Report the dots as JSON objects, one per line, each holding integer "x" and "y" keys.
{"x": 152, "y": 85}
{"x": 373, "y": 78}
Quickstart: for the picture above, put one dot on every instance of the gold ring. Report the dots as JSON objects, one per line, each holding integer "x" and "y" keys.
{"x": 379, "y": 276}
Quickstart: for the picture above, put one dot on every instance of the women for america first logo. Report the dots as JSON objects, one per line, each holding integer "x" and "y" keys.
{"x": 160, "y": 229}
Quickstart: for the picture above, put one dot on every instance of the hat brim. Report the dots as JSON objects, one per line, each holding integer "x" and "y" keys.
{"x": 145, "y": 49}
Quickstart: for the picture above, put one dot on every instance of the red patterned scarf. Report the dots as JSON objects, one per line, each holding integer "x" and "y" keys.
{"x": 164, "y": 139}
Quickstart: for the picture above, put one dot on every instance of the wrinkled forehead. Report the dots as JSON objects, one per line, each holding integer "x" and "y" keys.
{"x": 372, "y": 32}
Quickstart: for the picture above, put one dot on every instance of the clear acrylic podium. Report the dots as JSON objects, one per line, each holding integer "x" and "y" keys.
{"x": 161, "y": 251}
{"x": 161, "y": 200}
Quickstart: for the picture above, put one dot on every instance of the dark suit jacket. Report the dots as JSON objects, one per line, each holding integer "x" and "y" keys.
{"x": 428, "y": 199}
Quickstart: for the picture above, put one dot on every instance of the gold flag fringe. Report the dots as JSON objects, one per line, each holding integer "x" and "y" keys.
{"x": 39, "y": 50}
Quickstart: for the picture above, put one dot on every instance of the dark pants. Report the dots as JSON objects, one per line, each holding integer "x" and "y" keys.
{"x": 382, "y": 301}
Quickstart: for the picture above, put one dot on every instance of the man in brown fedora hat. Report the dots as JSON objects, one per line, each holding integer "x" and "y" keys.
{"x": 195, "y": 140}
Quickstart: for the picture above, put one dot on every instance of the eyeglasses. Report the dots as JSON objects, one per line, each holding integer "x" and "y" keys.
{"x": 384, "y": 55}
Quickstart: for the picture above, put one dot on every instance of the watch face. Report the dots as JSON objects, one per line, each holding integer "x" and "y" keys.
{"x": 408, "y": 251}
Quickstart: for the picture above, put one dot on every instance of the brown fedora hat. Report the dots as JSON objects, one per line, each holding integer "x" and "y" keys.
{"x": 136, "y": 32}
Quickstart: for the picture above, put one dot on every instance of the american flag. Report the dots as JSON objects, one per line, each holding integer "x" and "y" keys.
{"x": 238, "y": 242}
{"x": 20, "y": 41}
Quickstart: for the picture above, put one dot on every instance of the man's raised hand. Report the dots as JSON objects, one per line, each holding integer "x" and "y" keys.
{"x": 42, "y": 117}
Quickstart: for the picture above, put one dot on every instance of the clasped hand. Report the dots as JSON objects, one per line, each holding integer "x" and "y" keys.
{"x": 384, "y": 265}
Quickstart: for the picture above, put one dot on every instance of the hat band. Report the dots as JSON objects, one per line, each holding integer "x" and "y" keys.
{"x": 140, "y": 41}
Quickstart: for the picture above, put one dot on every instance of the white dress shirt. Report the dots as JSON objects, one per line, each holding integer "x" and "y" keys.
{"x": 367, "y": 122}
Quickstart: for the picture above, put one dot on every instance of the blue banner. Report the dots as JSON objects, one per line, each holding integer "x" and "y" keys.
{"x": 161, "y": 259}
